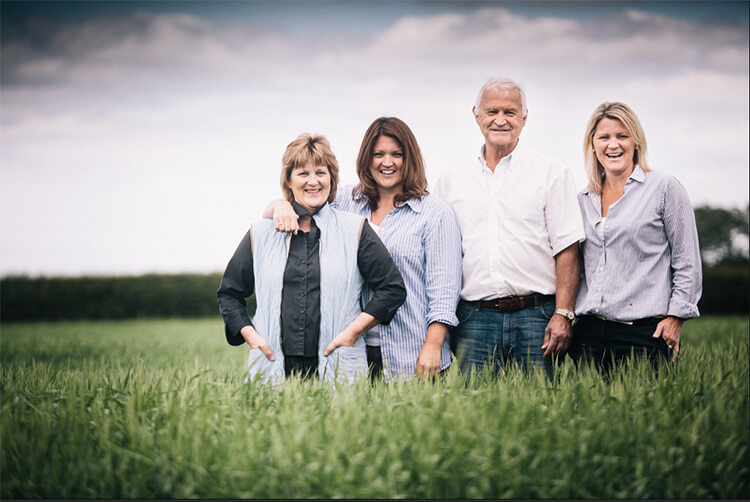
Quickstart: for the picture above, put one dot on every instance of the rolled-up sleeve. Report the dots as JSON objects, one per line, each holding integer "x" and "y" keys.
{"x": 237, "y": 283}
{"x": 682, "y": 235}
{"x": 563, "y": 213}
{"x": 381, "y": 275}
{"x": 443, "y": 268}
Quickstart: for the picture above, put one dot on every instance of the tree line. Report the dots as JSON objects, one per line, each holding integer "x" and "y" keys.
{"x": 145, "y": 296}
{"x": 723, "y": 236}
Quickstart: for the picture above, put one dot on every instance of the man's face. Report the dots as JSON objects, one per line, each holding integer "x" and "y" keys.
{"x": 500, "y": 117}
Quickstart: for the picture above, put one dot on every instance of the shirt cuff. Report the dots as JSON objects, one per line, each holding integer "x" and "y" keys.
{"x": 448, "y": 318}
{"x": 381, "y": 313}
{"x": 232, "y": 330}
{"x": 682, "y": 309}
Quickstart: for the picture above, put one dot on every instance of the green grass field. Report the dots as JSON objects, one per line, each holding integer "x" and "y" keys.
{"x": 158, "y": 409}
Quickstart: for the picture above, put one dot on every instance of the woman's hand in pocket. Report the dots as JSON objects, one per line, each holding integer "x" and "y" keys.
{"x": 255, "y": 341}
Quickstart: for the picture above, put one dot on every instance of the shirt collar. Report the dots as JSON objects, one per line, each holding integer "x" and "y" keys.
{"x": 508, "y": 158}
{"x": 637, "y": 175}
{"x": 301, "y": 211}
{"x": 415, "y": 203}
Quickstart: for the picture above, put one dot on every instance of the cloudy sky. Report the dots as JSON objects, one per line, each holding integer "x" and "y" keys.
{"x": 146, "y": 136}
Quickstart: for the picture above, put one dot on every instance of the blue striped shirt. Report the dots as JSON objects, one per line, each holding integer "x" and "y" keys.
{"x": 423, "y": 238}
{"x": 646, "y": 261}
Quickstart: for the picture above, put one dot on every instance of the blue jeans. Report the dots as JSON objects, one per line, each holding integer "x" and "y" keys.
{"x": 485, "y": 336}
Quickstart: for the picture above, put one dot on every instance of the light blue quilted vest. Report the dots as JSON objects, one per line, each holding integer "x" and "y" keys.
{"x": 340, "y": 287}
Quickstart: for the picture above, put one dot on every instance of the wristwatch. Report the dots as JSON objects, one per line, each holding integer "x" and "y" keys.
{"x": 567, "y": 314}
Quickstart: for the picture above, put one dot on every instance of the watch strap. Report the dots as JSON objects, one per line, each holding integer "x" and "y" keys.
{"x": 567, "y": 314}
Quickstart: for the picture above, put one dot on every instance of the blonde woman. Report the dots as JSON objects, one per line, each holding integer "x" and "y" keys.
{"x": 641, "y": 269}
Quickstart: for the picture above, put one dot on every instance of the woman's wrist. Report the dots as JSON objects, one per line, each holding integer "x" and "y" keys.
{"x": 679, "y": 320}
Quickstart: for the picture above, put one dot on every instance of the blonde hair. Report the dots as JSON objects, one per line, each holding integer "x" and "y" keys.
{"x": 617, "y": 111}
{"x": 309, "y": 148}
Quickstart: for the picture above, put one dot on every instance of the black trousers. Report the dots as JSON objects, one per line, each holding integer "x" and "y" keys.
{"x": 306, "y": 367}
{"x": 374, "y": 362}
{"x": 608, "y": 343}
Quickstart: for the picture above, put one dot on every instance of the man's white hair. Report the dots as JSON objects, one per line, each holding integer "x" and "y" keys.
{"x": 505, "y": 84}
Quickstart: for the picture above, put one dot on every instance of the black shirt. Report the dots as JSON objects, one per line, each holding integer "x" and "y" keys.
{"x": 300, "y": 295}
{"x": 374, "y": 263}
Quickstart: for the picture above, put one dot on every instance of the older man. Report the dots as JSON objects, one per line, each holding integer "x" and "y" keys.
{"x": 520, "y": 225}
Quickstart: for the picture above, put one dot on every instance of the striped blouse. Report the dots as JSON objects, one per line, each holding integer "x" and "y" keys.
{"x": 644, "y": 261}
{"x": 423, "y": 238}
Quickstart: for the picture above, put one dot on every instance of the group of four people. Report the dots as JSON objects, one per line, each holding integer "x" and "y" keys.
{"x": 387, "y": 277}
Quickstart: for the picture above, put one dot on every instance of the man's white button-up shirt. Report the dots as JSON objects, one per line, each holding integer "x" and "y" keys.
{"x": 513, "y": 222}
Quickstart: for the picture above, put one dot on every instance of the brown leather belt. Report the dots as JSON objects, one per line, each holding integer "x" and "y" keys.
{"x": 514, "y": 303}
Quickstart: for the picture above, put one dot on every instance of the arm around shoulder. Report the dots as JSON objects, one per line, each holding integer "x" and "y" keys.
{"x": 283, "y": 216}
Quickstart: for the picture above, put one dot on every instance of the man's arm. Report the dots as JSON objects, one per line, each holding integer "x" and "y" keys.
{"x": 559, "y": 331}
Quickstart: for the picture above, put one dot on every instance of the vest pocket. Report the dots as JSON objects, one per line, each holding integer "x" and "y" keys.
{"x": 346, "y": 362}
{"x": 258, "y": 365}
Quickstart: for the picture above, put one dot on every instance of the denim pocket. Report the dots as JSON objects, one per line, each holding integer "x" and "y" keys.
{"x": 547, "y": 309}
{"x": 464, "y": 311}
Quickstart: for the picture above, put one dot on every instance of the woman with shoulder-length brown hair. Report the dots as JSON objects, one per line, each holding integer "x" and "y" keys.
{"x": 413, "y": 183}
{"x": 421, "y": 233}
{"x": 641, "y": 268}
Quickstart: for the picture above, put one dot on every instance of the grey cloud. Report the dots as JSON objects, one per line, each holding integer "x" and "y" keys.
{"x": 158, "y": 50}
{"x": 631, "y": 38}
{"x": 107, "y": 48}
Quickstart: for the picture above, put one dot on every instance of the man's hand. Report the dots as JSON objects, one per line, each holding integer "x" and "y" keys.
{"x": 669, "y": 329}
{"x": 559, "y": 332}
{"x": 557, "y": 336}
{"x": 255, "y": 341}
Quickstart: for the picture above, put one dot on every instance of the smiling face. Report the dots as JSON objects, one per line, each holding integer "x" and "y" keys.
{"x": 500, "y": 117}
{"x": 387, "y": 164}
{"x": 614, "y": 147}
{"x": 310, "y": 185}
